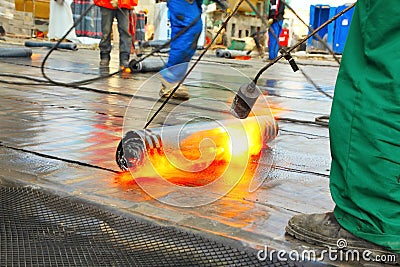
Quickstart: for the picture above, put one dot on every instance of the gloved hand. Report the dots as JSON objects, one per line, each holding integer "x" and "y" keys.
{"x": 114, "y": 3}
{"x": 222, "y": 4}
{"x": 270, "y": 21}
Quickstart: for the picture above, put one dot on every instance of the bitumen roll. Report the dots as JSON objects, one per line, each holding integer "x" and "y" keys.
{"x": 136, "y": 145}
{"x": 15, "y": 52}
{"x": 220, "y": 52}
{"x": 68, "y": 46}
{"x": 235, "y": 53}
{"x": 147, "y": 65}
{"x": 228, "y": 53}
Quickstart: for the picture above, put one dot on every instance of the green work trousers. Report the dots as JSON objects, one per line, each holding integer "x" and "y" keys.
{"x": 365, "y": 126}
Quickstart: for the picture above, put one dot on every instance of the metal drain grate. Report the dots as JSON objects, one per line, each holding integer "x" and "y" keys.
{"x": 42, "y": 229}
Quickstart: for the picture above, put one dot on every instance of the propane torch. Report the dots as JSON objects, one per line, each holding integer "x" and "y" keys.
{"x": 248, "y": 94}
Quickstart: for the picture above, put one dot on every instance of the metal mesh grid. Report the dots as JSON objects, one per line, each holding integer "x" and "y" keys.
{"x": 41, "y": 229}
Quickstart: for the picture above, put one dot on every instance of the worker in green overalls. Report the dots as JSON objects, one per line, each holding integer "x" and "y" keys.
{"x": 364, "y": 138}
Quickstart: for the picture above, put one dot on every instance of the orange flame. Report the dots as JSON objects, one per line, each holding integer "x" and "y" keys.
{"x": 208, "y": 154}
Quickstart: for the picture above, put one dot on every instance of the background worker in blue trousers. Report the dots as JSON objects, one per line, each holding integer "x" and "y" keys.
{"x": 275, "y": 21}
{"x": 185, "y": 16}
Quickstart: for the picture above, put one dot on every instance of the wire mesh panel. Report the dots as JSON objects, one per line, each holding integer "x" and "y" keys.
{"x": 41, "y": 229}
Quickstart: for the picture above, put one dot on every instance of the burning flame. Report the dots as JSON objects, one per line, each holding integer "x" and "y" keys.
{"x": 206, "y": 155}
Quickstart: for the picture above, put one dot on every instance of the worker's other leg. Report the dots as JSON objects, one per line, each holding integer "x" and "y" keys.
{"x": 107, "y": 17}
{"x": 125, "y": 38}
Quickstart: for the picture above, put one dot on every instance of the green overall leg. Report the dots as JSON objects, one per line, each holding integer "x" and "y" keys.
{"x": 365, "y": 126}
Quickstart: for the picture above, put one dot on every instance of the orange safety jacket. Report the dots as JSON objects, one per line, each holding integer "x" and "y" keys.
{"x": 128, "y": 4}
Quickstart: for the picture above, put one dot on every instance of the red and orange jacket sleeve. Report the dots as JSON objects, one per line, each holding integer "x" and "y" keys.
{"x": 128, "y": 4}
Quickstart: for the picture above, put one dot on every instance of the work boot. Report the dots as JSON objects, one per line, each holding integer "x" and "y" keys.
{"x": 324, "y": 230}
{"x": 167, "y": 88}
{"x": 124, "y": 64}
{"x": 104, "y": 62}
{"x": 124, "y": 67}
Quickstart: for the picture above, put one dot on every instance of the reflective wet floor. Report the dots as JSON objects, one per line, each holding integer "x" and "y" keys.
{"x": 64, "y": 139}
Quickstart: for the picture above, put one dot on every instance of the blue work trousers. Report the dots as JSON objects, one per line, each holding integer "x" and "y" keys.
{"x": 125, "y": 38}
{"x": 273, "y": 41}
{"x": 182, "y": 49}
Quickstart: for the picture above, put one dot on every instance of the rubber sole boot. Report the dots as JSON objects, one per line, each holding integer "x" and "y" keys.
{"x": 167, "y": 87}
{"x": 324, "y": 230}
{"x": 124, "y": 63}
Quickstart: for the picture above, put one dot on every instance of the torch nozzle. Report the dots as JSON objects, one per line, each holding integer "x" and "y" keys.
{"x": 244, "y": 100}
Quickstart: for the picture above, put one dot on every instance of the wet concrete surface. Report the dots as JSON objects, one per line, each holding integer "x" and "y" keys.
{"x": 64, "y": 139}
